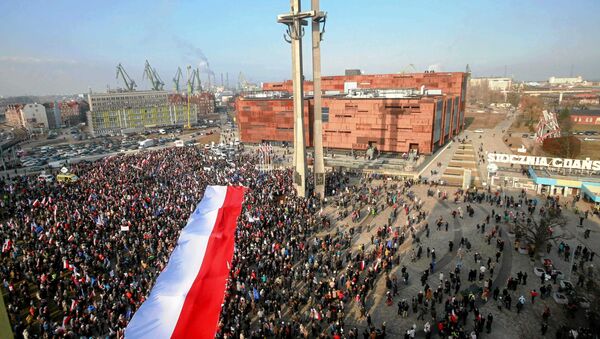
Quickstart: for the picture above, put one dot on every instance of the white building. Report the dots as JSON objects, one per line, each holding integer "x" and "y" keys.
{"x": 34, "y": 116}
{"x": 494, "y": 83}
{"x": 565, "y": 81}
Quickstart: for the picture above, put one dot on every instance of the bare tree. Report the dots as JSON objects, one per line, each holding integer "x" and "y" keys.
{"x": 537, "y": 233}
{"x": 532, "y": 108}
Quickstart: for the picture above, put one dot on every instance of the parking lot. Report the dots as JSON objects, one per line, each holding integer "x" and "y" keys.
{"x": 72, "y": 145}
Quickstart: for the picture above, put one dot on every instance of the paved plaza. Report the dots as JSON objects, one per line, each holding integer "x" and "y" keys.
{"x": 506, "y": 323}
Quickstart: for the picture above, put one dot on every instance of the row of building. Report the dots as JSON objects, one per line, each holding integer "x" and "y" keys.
{"x": 114, "y": 112}
{"x": 42, "y": 117}
{"x": 391, "y": 112}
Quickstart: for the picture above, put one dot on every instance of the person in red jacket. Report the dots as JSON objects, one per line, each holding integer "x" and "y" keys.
{"x": 533, "y": 295}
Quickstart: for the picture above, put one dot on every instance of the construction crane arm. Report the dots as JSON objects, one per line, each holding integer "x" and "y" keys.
{"x": 129, "y": 83}
{"x": 176, "y": 79}
{"x": 152, "y": 75}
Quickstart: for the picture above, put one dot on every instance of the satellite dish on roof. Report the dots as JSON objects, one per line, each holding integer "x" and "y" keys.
{"x": 64, "y": 170}
{"x": 492, "y": 168}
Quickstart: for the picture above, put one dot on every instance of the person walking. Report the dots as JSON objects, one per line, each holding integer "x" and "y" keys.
{"x": 488, "y": 325}
{"x": 427, "y": 330}
{"x": 544, "y": 328}
{"x": 534, "y": 294}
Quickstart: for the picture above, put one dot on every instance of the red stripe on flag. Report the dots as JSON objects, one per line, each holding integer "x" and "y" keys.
{"x": 200, "y": 313}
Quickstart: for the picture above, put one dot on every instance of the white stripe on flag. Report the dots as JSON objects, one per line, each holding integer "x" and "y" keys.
{"x": 159, "y": 315}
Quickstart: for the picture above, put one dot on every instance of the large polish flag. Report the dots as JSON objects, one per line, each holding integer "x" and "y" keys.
{"x": 186, "y": 300}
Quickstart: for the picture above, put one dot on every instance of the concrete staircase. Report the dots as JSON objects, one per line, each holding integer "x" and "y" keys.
{"x": 463, "y": 158}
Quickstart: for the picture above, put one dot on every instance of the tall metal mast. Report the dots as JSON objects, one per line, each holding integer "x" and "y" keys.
{"x": 294, "y": 22}
{"x": 317, "y": 36}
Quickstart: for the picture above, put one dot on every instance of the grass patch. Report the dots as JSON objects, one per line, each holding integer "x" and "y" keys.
{"x": 590, "y": 149}
{"x": 483, "y": 120}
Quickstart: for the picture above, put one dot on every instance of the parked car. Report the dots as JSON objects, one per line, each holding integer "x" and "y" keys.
{"x": 45, "y": 178}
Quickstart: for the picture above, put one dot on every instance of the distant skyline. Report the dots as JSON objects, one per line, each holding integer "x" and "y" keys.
{"x": 66, "y": 47}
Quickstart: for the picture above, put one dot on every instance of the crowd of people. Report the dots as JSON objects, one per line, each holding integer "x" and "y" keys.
{"x": 79, "y": 259}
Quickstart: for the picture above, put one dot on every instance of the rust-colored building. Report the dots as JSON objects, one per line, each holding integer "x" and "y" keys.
{"x": 393, "y": 112}
{"x": 586, "y": 116}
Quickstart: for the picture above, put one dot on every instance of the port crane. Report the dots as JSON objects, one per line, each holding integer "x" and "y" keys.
{"x": 409, "y": 68}
{"x": 176, "y": 79}
{"x": 196, "y": 75}
{"x": 242, "y": 82}
{"x": 152, "y": 75}
{"x": 129, "y": 83}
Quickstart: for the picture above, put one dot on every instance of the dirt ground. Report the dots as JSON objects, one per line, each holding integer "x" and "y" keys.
{"x": 482, "y": 120}
{"x": 590, "y": 149}
{"x": 207, "y": 139}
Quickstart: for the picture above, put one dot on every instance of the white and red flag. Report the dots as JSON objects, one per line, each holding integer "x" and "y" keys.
{"x": 186, "y": 299}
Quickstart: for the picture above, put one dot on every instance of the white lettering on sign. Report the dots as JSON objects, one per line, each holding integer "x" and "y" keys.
{"x": 586, "y": 164}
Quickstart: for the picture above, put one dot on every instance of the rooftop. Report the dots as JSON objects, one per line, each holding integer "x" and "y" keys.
{"x": 357, "y": 93}
{"x": 592, "y": 112}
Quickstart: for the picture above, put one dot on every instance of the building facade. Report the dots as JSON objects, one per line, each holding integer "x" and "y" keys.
{"x": 13, "y": 115}
{"x": 53, "y": 115}
{"x": 586, "y": 116}
{"x": 201, "y": 104}
{"x": 565, "y": 81}
{"x": 133, "y": 111}
{"x": 392, "y": 112}
{"x": 494, "y": 83}
{"x": 32, "y": 117}
{"x": 70, "y": 112}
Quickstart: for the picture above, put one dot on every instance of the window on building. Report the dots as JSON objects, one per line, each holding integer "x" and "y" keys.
{"x": 325, "y": 111}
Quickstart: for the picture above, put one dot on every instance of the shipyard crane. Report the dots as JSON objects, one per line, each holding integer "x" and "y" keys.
{"x": 196, "y": 76}
{"x": 176, "y": 79}
{"x": 190, "y": 80}
{"x": 129, "y": 83}
{"x": 242, "y": 83}
{"x": 151, "y": 74}
{"x": 409, "y": 67}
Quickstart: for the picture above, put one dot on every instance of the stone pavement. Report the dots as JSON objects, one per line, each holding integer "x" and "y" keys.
{"x": 507, "y": 324}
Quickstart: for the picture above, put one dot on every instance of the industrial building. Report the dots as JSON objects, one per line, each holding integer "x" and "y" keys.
{"x": 492, "y": 83}
{"x": 130, "y": 111}
{"x": 391, "y": 112}
{"x": 565, "y": 80}
{"x": 586, "y": 116}
{"x": 136, "y": 110}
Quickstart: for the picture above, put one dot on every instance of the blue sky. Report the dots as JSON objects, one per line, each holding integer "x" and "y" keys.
{"x": 51, "y": 47}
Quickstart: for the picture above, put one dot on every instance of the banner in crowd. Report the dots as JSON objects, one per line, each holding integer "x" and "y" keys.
{"x": 186, "y": 299}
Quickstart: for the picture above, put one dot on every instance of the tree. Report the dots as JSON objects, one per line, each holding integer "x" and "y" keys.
{"x": 513, "y": 98}
{"x": 532, "y": 108}
{"x": 538, "y": 233}
{"x": 565, "y": 122}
